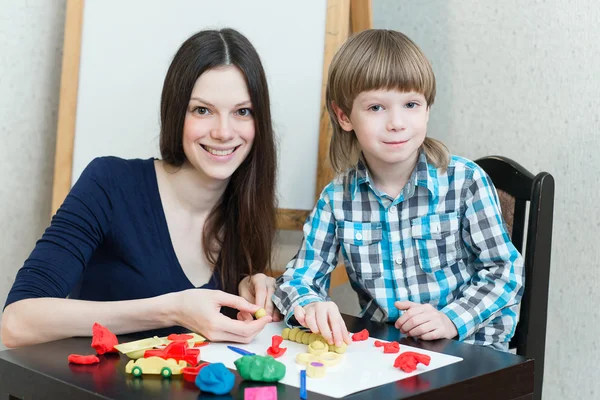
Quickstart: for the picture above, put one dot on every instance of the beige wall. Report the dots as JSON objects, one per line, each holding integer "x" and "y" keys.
{"x": 31, "y": 35}
{"x": 520, "y": 79}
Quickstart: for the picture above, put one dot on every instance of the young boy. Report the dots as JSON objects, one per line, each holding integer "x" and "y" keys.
{"x": 420, "y": 231}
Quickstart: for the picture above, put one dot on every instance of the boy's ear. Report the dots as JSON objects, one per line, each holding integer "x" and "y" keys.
{"x": 342, "y": 118}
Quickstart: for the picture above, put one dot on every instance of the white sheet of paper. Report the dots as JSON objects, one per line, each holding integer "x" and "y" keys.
{"x": 364, "y": 366}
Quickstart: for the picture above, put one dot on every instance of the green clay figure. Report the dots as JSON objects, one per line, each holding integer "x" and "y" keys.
{"x": 260, "y": 368}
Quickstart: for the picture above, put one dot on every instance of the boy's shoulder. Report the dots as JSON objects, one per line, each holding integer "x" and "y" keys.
{"x": 465, "y": 167}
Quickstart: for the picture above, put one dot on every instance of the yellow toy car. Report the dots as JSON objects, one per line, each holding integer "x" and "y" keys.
{"x": 155, "y": 366}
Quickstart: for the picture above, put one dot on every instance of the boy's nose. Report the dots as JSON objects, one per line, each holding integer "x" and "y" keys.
{"x": 396, "y": 122}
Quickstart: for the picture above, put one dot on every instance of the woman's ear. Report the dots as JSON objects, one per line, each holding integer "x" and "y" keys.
{"x": 342, "y": 118}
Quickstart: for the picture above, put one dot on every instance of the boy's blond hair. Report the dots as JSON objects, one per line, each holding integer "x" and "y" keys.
{"x": 371, "y": 60}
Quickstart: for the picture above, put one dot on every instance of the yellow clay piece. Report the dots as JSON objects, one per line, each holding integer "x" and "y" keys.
{"x": 305, "y": 358}
{"x": 300, "y": 335}
{"x": 317, "y": 348}
{"x": 306, "y": 338}
{"x": 329, "y": 359}
{"x": 341, "y": 349}
{"x": 285, "y": 334}
{"x": 313, "y": 337}
{"x": 315, "y": 370}
{"x": 293, "y": 333}
{"x": 260, "y": 313}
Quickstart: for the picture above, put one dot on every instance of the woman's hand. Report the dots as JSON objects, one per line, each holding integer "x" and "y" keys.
{"x": 199, "y": 311}
{"x": 258, "y": 289}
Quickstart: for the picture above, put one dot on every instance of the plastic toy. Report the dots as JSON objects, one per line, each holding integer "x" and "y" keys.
{"x": 190, "y": 373}
{"x": 315, "y": 370}
{"x": 155, "y": 366}
{"x": 360, "y": 336}
{"x": 83, "y": 360}
{"x": 388, "y": 347}
{"x": 136, "y": 349}
{"x": 260, "y": 368}
{"x": 275, "y": 351}
{"x": 177, "y": 337}
{"x": 103, "y": 340}
{"x": 408, "y": 361}
{"x": 260, "y": 313}
{"x": 303, "y": 385}
{"x": 178, "y": 350}
{"x": 215, "y": 378}
{"x": 260, "y": 393}
{"x": 241, "y": 351}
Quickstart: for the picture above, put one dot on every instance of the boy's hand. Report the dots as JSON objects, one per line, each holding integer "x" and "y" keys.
{"x": 423, "y": 321}
{"x": 324, "y": 317}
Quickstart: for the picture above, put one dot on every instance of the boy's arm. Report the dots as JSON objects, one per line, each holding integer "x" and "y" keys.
{"x": 307, "y": 276}
{"x": 498, "y": 280}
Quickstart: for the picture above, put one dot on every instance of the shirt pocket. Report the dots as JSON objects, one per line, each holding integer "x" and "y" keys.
{"x": 362, "y": 248}
{"x": 436, "y": 240}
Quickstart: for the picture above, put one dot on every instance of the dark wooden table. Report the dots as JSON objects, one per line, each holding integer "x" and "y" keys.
{"x": 42, "y": 372}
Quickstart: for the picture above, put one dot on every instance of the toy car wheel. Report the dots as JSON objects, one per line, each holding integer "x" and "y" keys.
{"x": 136, "y": 371}
{"x": 166, "y": 372}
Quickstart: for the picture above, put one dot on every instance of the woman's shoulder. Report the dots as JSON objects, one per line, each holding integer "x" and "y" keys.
{"x": 115, "y": 169}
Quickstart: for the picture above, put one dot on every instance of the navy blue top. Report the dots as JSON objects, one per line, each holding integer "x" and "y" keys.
{"x": 109, "y": 241}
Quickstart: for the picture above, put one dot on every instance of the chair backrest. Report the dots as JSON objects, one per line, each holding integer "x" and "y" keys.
{"x": 516, "y": 187}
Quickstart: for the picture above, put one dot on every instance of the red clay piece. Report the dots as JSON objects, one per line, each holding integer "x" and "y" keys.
{"x": 388, "y": 347}
{"x": 177, "y": 337}
{"x": 190, "y": 373}
{"x": 360, "y": 336}
{"x": 200, "y": 344}
{"x": 276, "y": 351}
{"x": 83, "y": 360}
{"x": 103, "y": 340}
{"x": 408, "y": 361}
{"x": 178, "y": 351}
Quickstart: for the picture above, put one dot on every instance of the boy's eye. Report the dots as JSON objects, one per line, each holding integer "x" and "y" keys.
{"x": 411, "y": 104}
{"x": 376, "y": 107}
{"x": 244, "y": 112}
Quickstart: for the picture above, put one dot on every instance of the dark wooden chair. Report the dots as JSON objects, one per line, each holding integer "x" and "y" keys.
{"x": 533, "y": 238}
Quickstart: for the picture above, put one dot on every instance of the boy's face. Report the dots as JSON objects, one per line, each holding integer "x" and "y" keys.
{"x": 389, "y": 125}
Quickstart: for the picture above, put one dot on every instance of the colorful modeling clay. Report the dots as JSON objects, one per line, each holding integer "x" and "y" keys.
{"x": 388, "y": 347}
{"x": 190, "y": 373}
{"x": 276, "y": 351}
{"x": 360, "y": 336}
{"x": 177, "y": 350}
{"x": 315, "y": 370}
{"x": 83, "y": 360}
{"x": 215, "y": 378}
{"x": 177, "y": 337}
{"x": 260, "y": 313}
{"x": 260, "y": 393}
{"x": 260, "y": 368}
{"x": 103, "y": 340}
{"x": 408, "y": 361}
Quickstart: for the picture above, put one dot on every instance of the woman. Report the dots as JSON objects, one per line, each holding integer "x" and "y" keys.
{"x": 145, "y": 244}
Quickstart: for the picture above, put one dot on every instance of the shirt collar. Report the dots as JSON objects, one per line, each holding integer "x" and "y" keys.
{"x": 424, "y": 175}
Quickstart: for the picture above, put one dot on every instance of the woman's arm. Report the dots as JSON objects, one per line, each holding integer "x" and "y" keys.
{"x": 32, "y": 321}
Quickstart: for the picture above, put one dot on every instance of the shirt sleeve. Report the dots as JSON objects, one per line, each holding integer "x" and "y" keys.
{"x": 499, "y": 272}
{"x": 57, "y": 261}
{"x": 307, "y": 276}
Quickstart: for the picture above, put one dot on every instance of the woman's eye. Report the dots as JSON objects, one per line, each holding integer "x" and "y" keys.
{"x": 201, "y": 110}
{"x": 376, "y": 107}
{"x": 244, "y": 112}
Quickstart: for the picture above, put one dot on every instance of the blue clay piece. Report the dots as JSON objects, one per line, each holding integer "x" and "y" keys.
{"x": 215, "y": 378}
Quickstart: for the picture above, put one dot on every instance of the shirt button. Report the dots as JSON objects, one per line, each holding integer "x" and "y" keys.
{"x": 393, "y": 209}
{"x": 358, "y": 236}
{"x": 398, "y": 260}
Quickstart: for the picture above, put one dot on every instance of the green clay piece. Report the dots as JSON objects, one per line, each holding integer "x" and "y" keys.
{"x": 260, "y": 368}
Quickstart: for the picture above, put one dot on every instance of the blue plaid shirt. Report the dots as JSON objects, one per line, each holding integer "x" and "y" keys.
{"x": 442, "y": 241}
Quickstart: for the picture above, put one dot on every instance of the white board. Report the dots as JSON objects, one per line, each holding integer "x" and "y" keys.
{"x": 364, "y": 366}
{"x": 126, "y": 49}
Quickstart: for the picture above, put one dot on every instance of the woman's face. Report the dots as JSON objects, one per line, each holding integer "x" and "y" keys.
{"x": 219, "y": 129}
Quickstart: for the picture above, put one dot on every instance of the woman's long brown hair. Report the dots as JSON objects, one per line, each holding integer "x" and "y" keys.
{"x": 239, "y": 232}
